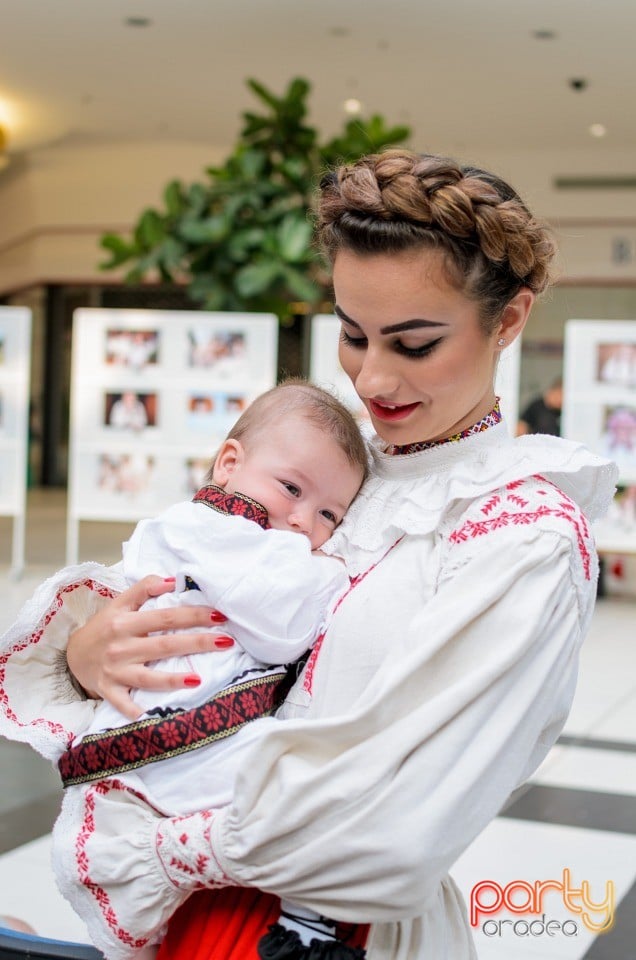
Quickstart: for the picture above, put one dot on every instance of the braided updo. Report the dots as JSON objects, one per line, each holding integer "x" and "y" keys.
{"x": 396, "y": 201}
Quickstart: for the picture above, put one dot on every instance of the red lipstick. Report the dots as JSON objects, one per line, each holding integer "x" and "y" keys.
{"x": 391, "y": 412}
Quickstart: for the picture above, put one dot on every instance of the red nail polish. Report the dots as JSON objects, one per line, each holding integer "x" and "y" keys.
{"x": 217, "y": 617}
{"x": 169, "y": 579}
{"x": 223, "y": 642}
{"x": 192, "y": 680}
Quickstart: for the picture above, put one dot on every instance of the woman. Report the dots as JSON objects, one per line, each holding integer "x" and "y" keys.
{"x": 447, "y": 671}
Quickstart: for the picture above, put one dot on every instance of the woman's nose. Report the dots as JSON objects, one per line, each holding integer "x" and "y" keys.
{"x": 376, "y": 378}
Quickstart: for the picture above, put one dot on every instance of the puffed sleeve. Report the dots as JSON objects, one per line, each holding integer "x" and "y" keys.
{"x": 267, "y": 582}
{"x": 360, "y": 816}
{"x": 39, "y": 703}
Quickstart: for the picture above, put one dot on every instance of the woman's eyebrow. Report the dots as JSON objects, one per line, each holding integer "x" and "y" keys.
{"x": 394, "y": 327}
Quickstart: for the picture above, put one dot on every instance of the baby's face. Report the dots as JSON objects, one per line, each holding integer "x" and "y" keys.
{"x": 299, "y": 474}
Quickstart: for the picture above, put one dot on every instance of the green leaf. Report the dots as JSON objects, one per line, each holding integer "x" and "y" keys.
{"x": 264, "y": 94}
{"x": 243, "y": 242}
{"x": 210, "y": 230}
{"x": 299, "y": 284}
{"x": 256, "y": 278}
{"x": 120, "y": 250}
{"x": 174, "y": 198}
{"x": 294, "y": 238}
{"x": 150, "y": 230}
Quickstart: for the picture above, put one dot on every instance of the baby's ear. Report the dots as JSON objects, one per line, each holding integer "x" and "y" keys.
{"x": 228, "y": 459}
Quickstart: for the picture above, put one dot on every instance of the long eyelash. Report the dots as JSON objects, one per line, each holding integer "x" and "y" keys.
{"x": 413, "y": 352}
{"x": 417, "y": 351}
{"x": 352, "y": 341}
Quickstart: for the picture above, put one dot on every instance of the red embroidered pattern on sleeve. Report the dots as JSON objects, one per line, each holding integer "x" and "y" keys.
{"x": 524, "y": 502}
{"x": 35, "y": 637}
{"x": 83, "y": 863}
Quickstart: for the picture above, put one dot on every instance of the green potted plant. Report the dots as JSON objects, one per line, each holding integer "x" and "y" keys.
{"x": 242, "y": 238}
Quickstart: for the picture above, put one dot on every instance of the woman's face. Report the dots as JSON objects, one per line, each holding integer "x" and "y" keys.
{"x": 412, "y": 345}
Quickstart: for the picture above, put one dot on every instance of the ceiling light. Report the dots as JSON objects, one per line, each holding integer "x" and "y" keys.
{"x": 352, "y": 106}
{"x": 543, "y": 34}
{"x": 597, "y": 129}
{"x": 137, "y": 22}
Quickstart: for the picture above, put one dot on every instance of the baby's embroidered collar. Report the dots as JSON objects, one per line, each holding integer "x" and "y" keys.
{"x": 232, "y": 504}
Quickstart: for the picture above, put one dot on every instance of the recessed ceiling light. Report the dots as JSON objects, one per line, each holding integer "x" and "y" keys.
{"x": 597, "y": 129}
{"x": 138, "y": 21}
{"x": 543, "y": 34}
{"x": 352, "y": 106}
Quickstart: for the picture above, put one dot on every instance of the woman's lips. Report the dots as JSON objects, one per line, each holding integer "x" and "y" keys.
{"x": 391, "y": 412}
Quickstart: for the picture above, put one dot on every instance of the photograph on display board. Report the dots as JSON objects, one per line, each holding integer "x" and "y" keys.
{"x": 618, "y": 437}
{"x": 126, "y": 476}
{"x": 616, "y": 364}
{"x": 224, "y": 352}
{"x": 202, "y": 413}
{"x": 128, "y": 410}
{"x": 1, "y": 348}
{"x": 214, "y": 413}
{"x": 133, "y": 349}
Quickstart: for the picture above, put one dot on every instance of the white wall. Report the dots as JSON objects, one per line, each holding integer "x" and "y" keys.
{"x": 59, "y": 200}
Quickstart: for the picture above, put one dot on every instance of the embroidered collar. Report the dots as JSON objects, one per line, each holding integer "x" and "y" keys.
{"x": 490, "y": 420}
{"x": 232, "y": 504}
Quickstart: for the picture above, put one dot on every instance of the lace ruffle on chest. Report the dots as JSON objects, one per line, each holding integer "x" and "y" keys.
{"x": 412, "y": 494}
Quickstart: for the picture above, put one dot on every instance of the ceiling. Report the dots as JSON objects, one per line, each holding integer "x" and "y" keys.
{"x": 464, "y": 74}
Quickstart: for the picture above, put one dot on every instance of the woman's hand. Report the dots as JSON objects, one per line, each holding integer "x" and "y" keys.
{"x": 108, "y": 655}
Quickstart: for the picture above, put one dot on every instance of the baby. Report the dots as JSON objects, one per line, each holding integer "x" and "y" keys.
{"x": 291, "y": 465}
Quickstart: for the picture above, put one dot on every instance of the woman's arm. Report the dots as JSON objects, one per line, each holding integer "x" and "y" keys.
{"x": 360, "y": 816}
{"x": 111, "y": 642}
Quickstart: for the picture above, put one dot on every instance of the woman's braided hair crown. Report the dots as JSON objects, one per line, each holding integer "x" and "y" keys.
{"x": 397, "y": 200}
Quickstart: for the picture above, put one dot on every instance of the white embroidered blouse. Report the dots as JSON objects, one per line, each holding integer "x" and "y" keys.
{"x": 444, "y": 677}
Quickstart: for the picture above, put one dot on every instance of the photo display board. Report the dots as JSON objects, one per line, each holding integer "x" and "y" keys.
{"x": 15, "y": 362}
{"x": 599, "y": 410}
{"x": 325, "y": 370}
{"x": 153, "y": 394}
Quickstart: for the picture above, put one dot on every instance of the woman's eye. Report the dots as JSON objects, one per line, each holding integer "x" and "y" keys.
{"x": 291, "y": 488}
{"x": 422, "y": 351}
{"x": 352, "y": 341}
{"x": 328, "y": 515}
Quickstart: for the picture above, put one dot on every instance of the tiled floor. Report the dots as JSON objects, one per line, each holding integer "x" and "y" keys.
{"x": 577, "y": 814}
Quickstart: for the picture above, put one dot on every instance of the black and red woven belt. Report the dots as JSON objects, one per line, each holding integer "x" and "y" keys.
{"x": 156, "y": 738}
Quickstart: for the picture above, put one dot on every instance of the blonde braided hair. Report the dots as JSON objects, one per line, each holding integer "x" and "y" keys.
{"x": 397, "y": 200}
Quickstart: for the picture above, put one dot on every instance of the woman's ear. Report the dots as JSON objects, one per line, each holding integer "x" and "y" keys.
{"x": 228, "y": 459}
{"x": 515, "y": 316}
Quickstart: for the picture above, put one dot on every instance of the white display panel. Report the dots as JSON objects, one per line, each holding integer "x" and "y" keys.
{"x": 15, "y": 360}
{"x": 599, "y": 409}
{"x": 153, "y": 394}
{"x": 325, "y": 370}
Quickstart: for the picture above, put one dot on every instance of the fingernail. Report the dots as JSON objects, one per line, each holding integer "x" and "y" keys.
{"x": 217, "y": 617}
{"x": 223, "y": 642}
{"x": 192, "y": 680}
{"x": 169, "y": 579}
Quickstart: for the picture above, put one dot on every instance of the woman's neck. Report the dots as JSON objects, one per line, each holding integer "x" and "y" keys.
{"x": 492, "y": 418}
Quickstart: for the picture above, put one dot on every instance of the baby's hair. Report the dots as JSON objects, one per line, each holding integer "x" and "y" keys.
{"x": 398, "y": 201}
{"x": 297, "y": 396}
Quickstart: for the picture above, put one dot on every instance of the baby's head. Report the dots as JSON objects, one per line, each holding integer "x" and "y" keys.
{"x": 298, "y": 452}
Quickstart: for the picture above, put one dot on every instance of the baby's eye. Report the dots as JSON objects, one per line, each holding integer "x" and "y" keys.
{"x": 291, "y": 488}
{"x": 330, "y": 516}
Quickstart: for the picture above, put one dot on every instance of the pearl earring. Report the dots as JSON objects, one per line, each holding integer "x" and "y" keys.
{"x": 501, "y": 341}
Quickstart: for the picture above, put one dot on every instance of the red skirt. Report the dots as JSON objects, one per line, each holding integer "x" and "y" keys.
{"x": 227, "y": 925}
